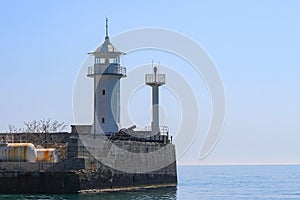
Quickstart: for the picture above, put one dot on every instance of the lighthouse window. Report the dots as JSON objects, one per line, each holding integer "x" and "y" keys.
{"x": 112, "y": 60}
{"x": 103, "y": 120}
{"x": 99, "y": 60}
{"x": 103, "y": 92}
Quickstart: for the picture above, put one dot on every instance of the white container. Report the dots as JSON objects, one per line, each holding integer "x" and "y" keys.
{"x": 17, "y": 152}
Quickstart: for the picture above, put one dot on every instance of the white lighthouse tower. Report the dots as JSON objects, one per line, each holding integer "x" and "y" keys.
{"x": 106, "y": 73}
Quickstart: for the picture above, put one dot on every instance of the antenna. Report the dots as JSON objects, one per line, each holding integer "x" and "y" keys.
{"x": 158, "y": 65}
{"x": 106, "y": 28}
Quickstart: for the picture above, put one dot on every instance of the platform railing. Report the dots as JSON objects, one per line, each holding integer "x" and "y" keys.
{"x": 158, "y": 78}
{"x": 98, "y": 70}
{"x": 163, "y": 130}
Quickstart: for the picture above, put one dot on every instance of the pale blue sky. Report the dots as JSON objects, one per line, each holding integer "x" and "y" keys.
{"x": 254, "y": 44}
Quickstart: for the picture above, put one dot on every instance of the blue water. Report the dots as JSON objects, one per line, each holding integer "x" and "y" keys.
{"x": 210, "y": 182}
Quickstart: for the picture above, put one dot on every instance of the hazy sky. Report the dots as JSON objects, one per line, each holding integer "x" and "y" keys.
{"x": 254, "y": 44}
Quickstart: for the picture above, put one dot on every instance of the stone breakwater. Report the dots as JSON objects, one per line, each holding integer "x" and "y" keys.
{"x": 80, "y": 181}
{"x": 78, "y": 171}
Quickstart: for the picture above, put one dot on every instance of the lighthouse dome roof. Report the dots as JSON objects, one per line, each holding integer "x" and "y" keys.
{"x": 107, "y": 47}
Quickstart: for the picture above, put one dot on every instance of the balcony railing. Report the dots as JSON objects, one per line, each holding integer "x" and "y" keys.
{"x": 163, "y": 130}
{"x": 158, "y": 78}
{"x": 99, "y": 70}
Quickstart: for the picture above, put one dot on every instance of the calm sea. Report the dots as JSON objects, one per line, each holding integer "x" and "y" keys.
{"x": 210, "y": 182}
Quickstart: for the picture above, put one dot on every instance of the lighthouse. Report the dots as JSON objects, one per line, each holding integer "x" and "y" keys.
{"x": 155, "y": 80}
{"x": 106, "y": 72}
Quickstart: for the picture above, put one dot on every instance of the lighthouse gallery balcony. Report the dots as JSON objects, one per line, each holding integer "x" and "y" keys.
{"x": 159, "y": 79}
{"x": 112, "y": 69}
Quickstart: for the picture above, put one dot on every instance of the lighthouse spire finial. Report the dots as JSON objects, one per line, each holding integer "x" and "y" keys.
{"x": 106, "y": 29}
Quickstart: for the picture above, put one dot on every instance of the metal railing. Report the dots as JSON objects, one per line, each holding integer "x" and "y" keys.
{"x": 98, "y": 70}
{"x": 158, "y": 78}
{"x": 163, "y": 130}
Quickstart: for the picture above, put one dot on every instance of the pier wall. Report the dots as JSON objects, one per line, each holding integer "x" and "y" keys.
{"x": 80, "y": 171}
{"x": 18, "y": 182}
